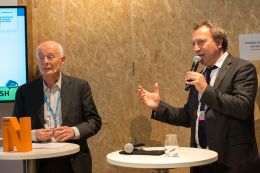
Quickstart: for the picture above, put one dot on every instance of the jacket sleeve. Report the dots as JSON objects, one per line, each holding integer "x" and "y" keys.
{"x": 91, "y": 123}
{"x": 171, "y": 115}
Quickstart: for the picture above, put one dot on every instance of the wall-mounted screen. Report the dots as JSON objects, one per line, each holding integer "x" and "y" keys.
{"x": 13, "y": 51}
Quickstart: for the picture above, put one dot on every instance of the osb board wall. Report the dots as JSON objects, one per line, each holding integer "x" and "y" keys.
{"x": 118, "y": 44}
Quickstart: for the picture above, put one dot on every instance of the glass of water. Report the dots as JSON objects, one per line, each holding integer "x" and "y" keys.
{"x": 171, "y": 146}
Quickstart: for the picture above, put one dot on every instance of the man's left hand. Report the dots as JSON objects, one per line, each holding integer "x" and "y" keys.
{"x": 63, "y": 133}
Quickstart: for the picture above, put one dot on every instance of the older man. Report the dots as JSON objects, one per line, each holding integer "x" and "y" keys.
{"x": 61, "y": 108}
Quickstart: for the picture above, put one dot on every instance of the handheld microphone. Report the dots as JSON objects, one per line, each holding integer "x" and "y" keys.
{"x": 194, "y": 67}
{"x": 129, "y": 148}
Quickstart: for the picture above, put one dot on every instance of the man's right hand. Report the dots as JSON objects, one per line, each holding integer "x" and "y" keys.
{"x": 44, "y": 135}
{"x": 151, "y": 100}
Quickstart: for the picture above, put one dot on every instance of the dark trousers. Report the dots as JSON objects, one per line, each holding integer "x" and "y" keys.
{"x": 75, "y": 163}
{"x": 211, "y": 168}
{"x": 54, "y": 165}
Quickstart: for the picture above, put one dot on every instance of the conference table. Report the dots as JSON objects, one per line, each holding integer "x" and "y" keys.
{"x": 40, "y": 151}
{"x": 187, "y": 157}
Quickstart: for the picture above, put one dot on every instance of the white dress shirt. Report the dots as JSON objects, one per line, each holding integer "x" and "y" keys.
{"x": 213, "y": 76}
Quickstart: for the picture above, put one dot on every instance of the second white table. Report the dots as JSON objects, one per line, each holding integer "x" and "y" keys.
{"x": 188, "y": 157}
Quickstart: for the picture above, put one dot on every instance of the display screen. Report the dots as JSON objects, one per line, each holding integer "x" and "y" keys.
{"x": 13, "y": 51}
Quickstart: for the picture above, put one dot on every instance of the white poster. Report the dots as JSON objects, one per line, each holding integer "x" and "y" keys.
{"x": 249, "y": 46}
{"x": 8, "y": 2}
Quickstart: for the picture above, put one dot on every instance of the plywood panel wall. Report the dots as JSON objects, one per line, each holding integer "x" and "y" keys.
{"x": 118, "y": 44}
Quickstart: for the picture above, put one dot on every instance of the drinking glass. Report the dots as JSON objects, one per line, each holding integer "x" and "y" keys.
{"x": 171, "y": 146}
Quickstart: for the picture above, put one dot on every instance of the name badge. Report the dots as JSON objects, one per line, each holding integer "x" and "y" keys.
{"x": 202, "y": 115}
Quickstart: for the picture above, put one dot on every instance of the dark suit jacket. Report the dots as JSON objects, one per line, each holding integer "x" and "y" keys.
{"x": 229, "y": 119}
{"x": 78, "y": 109}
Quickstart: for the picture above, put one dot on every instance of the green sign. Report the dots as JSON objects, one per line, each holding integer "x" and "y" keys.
{"x": 7, "y": 93}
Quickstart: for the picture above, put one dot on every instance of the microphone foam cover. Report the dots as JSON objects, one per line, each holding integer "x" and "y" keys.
{"x": 129, "y": 148}
{"x": 197, "y": 58}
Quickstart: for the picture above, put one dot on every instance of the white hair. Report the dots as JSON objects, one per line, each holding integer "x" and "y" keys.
{"x": 50, "y": 42}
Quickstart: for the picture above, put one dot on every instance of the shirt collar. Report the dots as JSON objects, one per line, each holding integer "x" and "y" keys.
{"x": 57, "y": 84}
{"x": 221, "y": 60}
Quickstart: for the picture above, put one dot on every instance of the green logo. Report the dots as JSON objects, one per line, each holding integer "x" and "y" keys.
{"x": 7, "y": 93}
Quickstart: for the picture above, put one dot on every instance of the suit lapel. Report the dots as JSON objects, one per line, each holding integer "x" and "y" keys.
{"x": 222, "y": 72}
{"x": 65, "y": 96}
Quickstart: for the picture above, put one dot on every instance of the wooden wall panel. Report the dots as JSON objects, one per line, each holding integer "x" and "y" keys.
{"x": 118, "y": 44}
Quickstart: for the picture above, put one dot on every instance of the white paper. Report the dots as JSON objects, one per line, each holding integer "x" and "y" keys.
{"x": 8, "y": 2}
{"x": 48, "y": 145}
{"x": 249, "y": 46}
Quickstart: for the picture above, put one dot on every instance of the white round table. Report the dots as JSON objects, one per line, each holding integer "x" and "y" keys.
{"x": 40, "y": 151}
{"x": 187, "y": 157}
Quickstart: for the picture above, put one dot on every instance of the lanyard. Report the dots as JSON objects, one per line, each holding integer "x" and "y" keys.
{"x": 54, "y": 114}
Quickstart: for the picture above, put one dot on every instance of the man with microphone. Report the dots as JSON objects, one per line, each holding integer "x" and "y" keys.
{"x": 220, "y": 105}
{"x": 61, "y": 110}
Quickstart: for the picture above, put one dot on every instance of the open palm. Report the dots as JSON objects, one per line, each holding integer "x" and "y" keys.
{"x": 150, "y": 99}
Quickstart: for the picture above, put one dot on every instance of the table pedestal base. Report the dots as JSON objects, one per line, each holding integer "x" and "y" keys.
{"x": 29, "y": 166}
